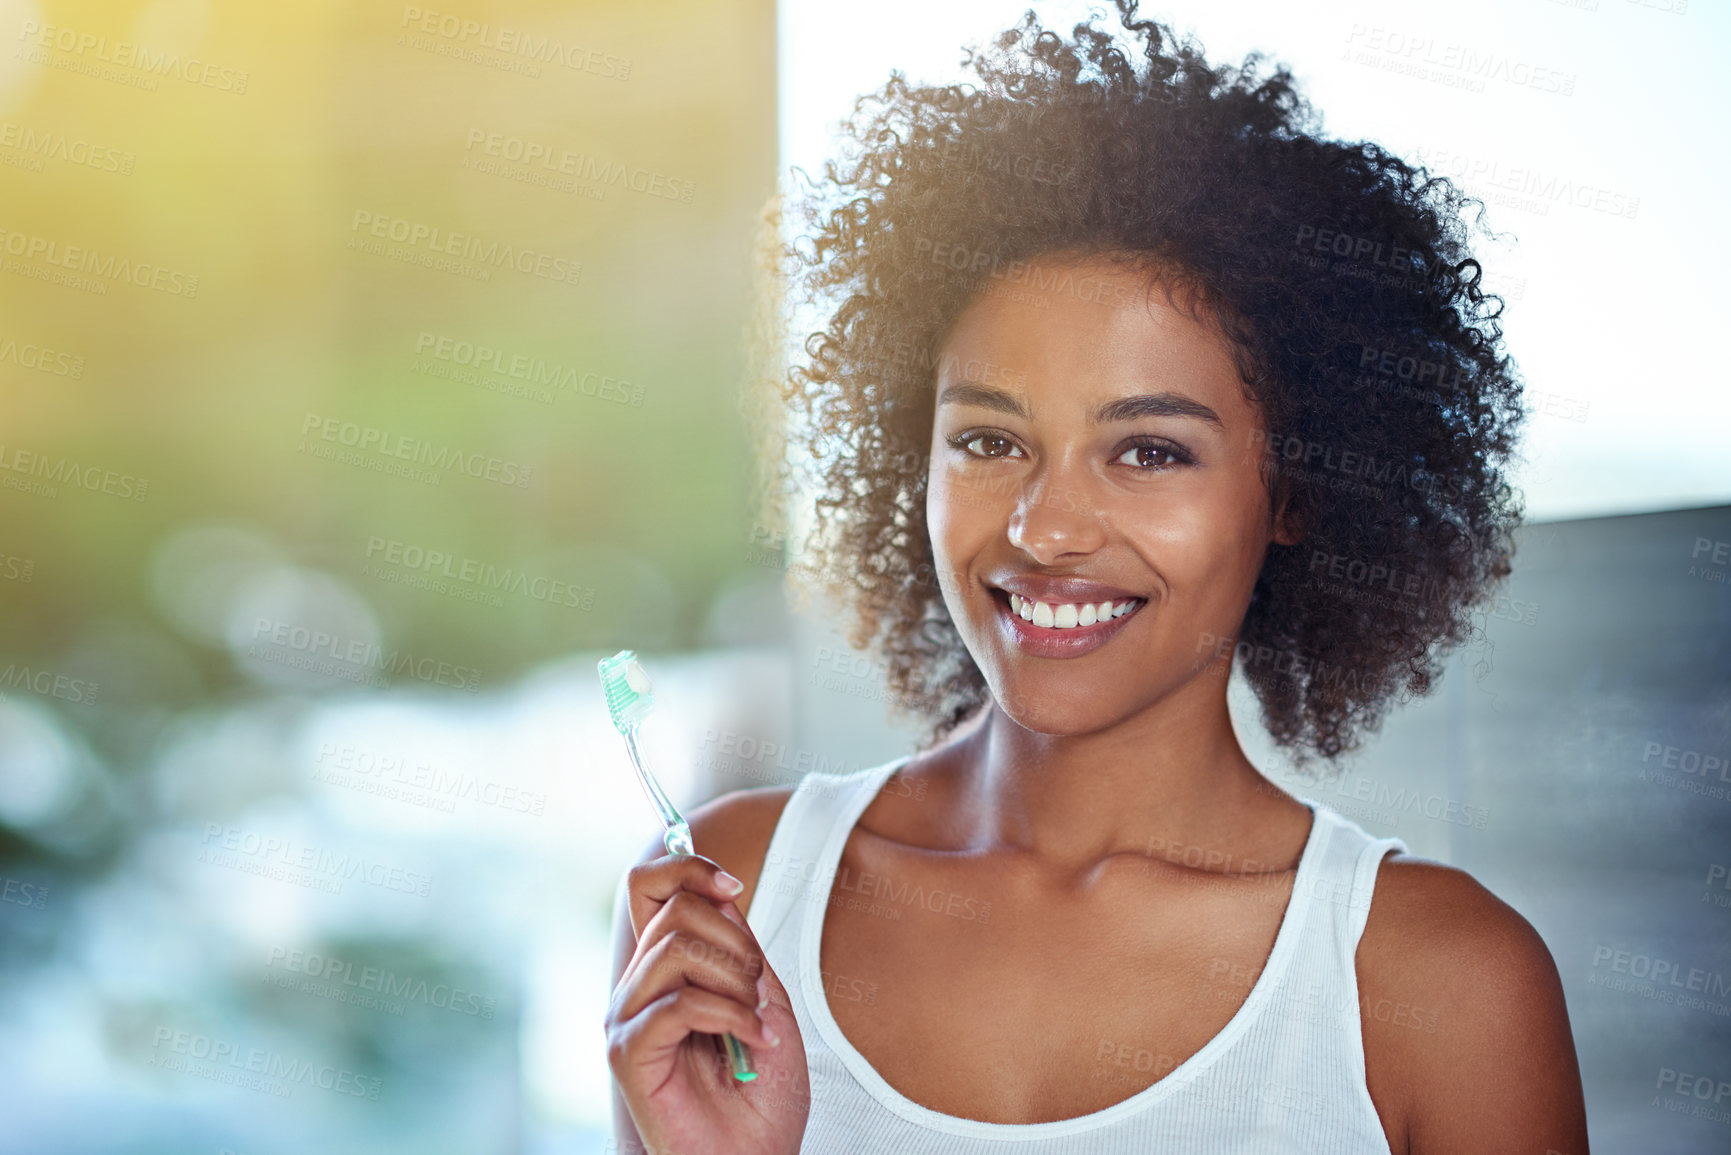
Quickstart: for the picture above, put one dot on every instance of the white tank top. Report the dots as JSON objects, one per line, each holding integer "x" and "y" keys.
{"x": 1286, "y": 1074}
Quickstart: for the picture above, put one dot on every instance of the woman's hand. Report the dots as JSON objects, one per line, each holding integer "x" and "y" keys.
{"x": 697, "y": 973}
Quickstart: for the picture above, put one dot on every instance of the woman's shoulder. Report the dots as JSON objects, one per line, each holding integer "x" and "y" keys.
{"x": 1466, "y": 1031}
{"x": 1436, "y": 924}
{"x": 735, "y": 829}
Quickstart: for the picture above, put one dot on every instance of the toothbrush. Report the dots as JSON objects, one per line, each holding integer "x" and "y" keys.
{"x": 629, "y": 701}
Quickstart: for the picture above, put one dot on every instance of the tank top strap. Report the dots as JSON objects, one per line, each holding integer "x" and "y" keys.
{"x": 1345, "y": 881}
{"x": 793, "y": 873}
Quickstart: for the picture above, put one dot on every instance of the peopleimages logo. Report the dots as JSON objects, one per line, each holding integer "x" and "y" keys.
{"x": 354, "y": 659}
{"x": 479, "y": 34}
{"x": 254, "y": 853}
{"x": 523, "y": 367}
{"x": 1298, "y": 455}
{"x": 56, "y": 471}
{"x": 342, "y": 975}
{"x": 48, "y": 683}
{"x": 45, "y": 145}
{"x": 84, "y": 259}
{"x": 1661, "y": 979}
{"x": 1402, "y": 800}
{"x": 1533, "y": 188}
{"x": 255, "y": 1067}
{"x": 420, "y": 781}
{"x": 583, "y": 167}
{"x": 464, "y": 246}
{"x": 436, "y": 564}
{"x": 41, "y": 359}
{"x": 123, "y": 54}
{"x": 369, "y": 439}
{"x": 1384, "y": 254}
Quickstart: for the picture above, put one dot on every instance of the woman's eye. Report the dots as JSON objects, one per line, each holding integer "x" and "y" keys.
{"x": 1150, "y": 457}
{"x": 997, "y": 446}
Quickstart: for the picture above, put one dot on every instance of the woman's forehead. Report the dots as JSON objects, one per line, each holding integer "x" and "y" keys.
{"x": 1063, "y": 339}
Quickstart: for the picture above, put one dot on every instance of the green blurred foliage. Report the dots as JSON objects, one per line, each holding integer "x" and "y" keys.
{"x": 347, "y": 110}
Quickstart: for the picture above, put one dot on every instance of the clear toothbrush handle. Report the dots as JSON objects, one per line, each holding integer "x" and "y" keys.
{"x": 664, "y": 808}
{"x": 677, "y": 839}
{"x": 739, "y": 1058}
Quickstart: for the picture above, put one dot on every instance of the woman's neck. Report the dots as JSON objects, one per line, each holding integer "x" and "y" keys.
{"x": 1172, "y": 776}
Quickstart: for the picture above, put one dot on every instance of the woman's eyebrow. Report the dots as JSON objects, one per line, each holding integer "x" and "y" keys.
{"x": 1123, "y": 409}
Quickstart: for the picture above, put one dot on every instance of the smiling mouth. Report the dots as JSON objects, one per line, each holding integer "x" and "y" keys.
{"x": 1061, "y": 617}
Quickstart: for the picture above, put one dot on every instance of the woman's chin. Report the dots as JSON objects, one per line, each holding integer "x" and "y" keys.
{"x": 1057, "y": 714}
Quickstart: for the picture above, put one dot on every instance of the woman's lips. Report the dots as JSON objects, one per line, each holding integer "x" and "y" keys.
{"x": 1052, "y": 642}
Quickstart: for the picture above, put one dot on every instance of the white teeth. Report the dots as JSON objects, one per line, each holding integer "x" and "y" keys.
{"x": 1069, "y": 615}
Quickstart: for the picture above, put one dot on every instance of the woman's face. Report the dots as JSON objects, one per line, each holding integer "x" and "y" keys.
{"x": 1093, "y": 452}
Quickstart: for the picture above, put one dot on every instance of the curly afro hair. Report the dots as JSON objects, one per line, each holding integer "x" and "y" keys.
{"x": 1338, "y": 274}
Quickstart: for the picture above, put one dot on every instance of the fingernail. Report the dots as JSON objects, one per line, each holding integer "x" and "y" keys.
{"x": 727, "y": 883}
{"x": 774, "y": 1039}
{"x": 762, "y": 993}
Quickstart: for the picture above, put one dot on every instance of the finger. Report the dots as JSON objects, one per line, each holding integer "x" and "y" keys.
{"x": 699, "y": 917}
{"x": 772, "y": 996}
{"x": 649, "y": 885}
{"x": 645, "y": 1039}
{"x": 682, "y": 959}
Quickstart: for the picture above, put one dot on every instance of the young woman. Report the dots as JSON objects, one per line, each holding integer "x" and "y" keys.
{"x": 1131, "y": 377}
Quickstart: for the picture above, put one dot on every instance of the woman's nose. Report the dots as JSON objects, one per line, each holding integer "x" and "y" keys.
{"x": 1053, "y": 518}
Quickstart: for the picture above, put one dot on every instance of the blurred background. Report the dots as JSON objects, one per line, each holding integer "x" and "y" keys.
{"x": 370, "y": 370}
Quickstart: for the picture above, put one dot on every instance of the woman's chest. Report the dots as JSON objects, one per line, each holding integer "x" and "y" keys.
{"x": 999, "y": 996}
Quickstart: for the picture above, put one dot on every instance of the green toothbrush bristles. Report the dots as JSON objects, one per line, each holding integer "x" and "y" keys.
{"x": 629, "y": 698}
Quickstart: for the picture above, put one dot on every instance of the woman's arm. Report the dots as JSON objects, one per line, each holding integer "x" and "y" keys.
{"x": 1466, "y": 1033}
